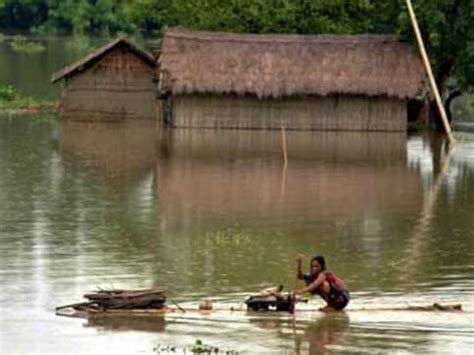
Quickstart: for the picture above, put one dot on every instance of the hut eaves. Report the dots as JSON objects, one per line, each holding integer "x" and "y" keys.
{"x": 93, "y": 56}
{"x": 289, "y": 65}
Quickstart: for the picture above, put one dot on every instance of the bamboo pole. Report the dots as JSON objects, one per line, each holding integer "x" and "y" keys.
{"x": 429, "y": 71}
{"x": 283, "y": 140}
{"x": 285, "y": 162}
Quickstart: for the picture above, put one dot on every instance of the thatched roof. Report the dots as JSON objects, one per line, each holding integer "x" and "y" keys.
{"x": 288, "y": 65}
{"x": 95, "y": 55}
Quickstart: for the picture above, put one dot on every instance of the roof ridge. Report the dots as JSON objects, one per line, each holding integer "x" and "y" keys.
{"x": 77, "y": 65}
{"x": 278, "y": 37}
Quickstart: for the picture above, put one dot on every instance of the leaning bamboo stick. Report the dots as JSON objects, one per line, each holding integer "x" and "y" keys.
{"x": 429, "y": 71}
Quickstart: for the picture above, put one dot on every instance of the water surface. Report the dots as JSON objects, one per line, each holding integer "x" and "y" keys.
{"x": 214, "y": 213}
{"x": 31, "y": 72}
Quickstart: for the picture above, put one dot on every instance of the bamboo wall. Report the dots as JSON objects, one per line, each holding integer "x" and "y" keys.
{"x": 120, "y": 85}
{"x": 345, "y": 147}
{"x": 355, "y": 113}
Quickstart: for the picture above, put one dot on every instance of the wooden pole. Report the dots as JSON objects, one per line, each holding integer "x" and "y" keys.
{"x": 283, "y": 140}
{"x": 429, "y": 71}
{"x": 285, "y": 162}
{"x": 177, "y": 305}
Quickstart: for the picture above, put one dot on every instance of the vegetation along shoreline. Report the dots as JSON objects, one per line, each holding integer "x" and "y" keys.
{"x": 13, "y": 101}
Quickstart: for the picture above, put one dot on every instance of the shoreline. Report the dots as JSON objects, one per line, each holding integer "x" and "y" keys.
{"x": 53, "y": 108}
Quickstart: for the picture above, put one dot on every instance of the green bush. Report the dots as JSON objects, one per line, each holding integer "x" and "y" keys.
{"x": 8, "y": 93}
{"x": 12, "y": 98}
{"x": 21, "y": 44}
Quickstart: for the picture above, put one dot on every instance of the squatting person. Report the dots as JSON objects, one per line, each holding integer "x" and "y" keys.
{"x": 324, "y": 283}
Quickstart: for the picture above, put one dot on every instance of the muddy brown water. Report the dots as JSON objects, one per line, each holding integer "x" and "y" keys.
{"x": 213, "y": 214}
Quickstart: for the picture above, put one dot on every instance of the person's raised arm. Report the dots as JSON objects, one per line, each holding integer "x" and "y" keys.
{"x": 299, "y": 272}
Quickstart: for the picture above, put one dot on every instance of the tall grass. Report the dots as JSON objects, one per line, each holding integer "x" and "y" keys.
{"x": 12, "y": 98}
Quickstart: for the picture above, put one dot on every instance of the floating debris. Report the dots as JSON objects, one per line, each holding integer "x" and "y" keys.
{"x": 103, "y": 300}
{"x": 272, "y": 298}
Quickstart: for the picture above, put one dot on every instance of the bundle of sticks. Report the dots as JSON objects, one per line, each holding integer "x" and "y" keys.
{"x": 128, "y": 299}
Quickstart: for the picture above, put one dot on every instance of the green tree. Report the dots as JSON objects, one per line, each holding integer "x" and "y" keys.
{"x": 447, "y": 28}
{"x": 149, "y": 16}
{"x": 274, "y": 16}
{"x": 447, "y": 25}
{"x": 82, "y": 17}
{"x": 22, "y": 14}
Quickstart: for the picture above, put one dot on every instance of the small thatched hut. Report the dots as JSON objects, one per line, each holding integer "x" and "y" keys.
{"x": 113, "y": 82}
{"x": 324, "y": 82}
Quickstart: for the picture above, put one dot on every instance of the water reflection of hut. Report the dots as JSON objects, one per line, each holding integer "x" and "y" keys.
{"x": 330, "y": 176}
{"x": 113, "y": 82}
{"x": 324, "y": 82}
{"x": 116, "y": 152}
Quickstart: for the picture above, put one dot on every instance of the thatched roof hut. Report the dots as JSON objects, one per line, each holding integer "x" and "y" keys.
{"x": 375, "y": 69}
{"x": 87, "y": 61}
{"x": 289, "y": 65}
{"x": 113, "y": 82}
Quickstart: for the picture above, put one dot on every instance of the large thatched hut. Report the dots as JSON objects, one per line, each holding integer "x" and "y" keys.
{"x": 361, "y": 82}
{"x": 113, "y": 82}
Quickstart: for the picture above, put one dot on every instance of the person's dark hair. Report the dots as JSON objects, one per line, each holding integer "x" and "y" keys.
{"x": 320, "y": 260}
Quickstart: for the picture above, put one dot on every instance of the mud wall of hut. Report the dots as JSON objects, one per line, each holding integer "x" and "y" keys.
{"x": 356, "y": 113}
{"x": 118, "y": 86}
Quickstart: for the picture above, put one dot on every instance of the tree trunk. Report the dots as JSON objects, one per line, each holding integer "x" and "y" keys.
{"x": 435, "y": 117}
{"x": 447, "y": 103}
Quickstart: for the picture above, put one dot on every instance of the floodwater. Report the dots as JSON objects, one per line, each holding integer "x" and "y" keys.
{"x": 215, "y": 214}
{"x": 31, "y": 72}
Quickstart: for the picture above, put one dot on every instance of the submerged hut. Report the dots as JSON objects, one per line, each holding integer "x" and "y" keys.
{"x": 113, "y": 82}
{"x": 328, "y": 82}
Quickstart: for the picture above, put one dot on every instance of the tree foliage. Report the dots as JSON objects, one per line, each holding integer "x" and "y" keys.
{"x": 447, "y": 25}
{"x": 447, "y": 28}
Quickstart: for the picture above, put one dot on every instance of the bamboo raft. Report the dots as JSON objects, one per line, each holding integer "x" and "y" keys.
{"x": 152, "y": 302}
{"x": 88, "y": 312}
